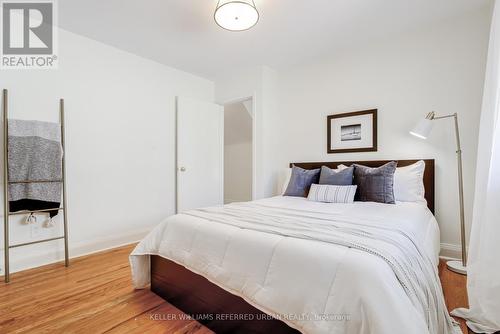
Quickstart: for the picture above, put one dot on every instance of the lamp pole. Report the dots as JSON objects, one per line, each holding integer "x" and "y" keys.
{"x": 456, "y": 266}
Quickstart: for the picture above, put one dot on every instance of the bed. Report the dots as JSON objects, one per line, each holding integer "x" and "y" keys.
{"x": 277, "y": 265}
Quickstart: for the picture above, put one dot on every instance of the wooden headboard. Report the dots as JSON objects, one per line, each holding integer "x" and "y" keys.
{"x": 428, "y": 174}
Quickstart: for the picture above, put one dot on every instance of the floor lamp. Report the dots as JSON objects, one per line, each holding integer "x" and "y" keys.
{"x": 422, "y": 130}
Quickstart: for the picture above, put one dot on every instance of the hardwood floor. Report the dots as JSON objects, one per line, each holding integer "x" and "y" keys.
{"x": 455, "y": 290}
{"x": 95, "y": 295}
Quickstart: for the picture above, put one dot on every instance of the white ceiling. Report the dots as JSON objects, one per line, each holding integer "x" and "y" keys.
{"x": 182, "y": 33}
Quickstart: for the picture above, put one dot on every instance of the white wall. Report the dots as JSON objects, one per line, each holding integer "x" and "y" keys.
{"x": 120, "y": 142}
{"x": 237, "y": 153}
{"x": 441, "y": 69}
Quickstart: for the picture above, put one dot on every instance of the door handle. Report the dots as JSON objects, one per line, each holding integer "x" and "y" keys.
{"x": 182, "y": 169}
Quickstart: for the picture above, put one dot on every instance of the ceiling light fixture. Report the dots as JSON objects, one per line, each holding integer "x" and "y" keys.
{"x": 236, "y": 15}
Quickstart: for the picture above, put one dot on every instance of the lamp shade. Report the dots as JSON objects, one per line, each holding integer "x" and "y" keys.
{"x": 236, "y": 15}
{"x": 422, "y": 129}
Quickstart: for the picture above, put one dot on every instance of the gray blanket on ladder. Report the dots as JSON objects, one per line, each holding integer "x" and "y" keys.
{"x": 35, "y": 153}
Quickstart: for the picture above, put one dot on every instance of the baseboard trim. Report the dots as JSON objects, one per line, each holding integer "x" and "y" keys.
{"x": 77, "y": 249}
{"x": 450, "y": 251}
{"x": 235, "y": 200}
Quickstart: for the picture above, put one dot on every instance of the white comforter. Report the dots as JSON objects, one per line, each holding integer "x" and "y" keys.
{"x": 313, "y": 285}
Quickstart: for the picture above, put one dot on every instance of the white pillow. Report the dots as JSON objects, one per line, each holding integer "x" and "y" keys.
{"x": 409, "y": 183}
{"x": 328, "y": 193}
{"x": 284, "y": 179}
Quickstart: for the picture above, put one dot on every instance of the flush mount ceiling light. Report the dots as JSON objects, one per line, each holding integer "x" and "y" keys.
{"x": 236, "y": 15}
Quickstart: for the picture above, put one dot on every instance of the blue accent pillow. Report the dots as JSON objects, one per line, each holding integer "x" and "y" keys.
{"x": 300, "y": 181}
{"x": 375, "y": 184}
{"x": 336, "y": 177}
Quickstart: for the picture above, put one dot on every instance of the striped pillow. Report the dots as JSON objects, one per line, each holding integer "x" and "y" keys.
{"x": 331, "y": 194}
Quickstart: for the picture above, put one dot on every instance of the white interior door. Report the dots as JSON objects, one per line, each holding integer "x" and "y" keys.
{"x": 200, "y": 154}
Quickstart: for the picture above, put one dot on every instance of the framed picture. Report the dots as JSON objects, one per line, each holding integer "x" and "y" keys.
{"x": 352, "y": 132}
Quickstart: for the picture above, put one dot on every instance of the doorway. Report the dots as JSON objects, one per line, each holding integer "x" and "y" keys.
{"x": 238, "y": 151}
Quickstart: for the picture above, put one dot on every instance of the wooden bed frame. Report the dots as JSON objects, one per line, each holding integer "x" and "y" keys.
{"x": 211, "y": 305}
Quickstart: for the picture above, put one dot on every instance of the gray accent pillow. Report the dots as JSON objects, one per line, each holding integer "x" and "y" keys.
{"x": 336, "y": 177}
{"x": 300, "y": 181}
{"x": 375, "y": 184}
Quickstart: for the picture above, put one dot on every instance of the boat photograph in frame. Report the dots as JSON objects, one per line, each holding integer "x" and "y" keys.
{"x": 352, "y": 132}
